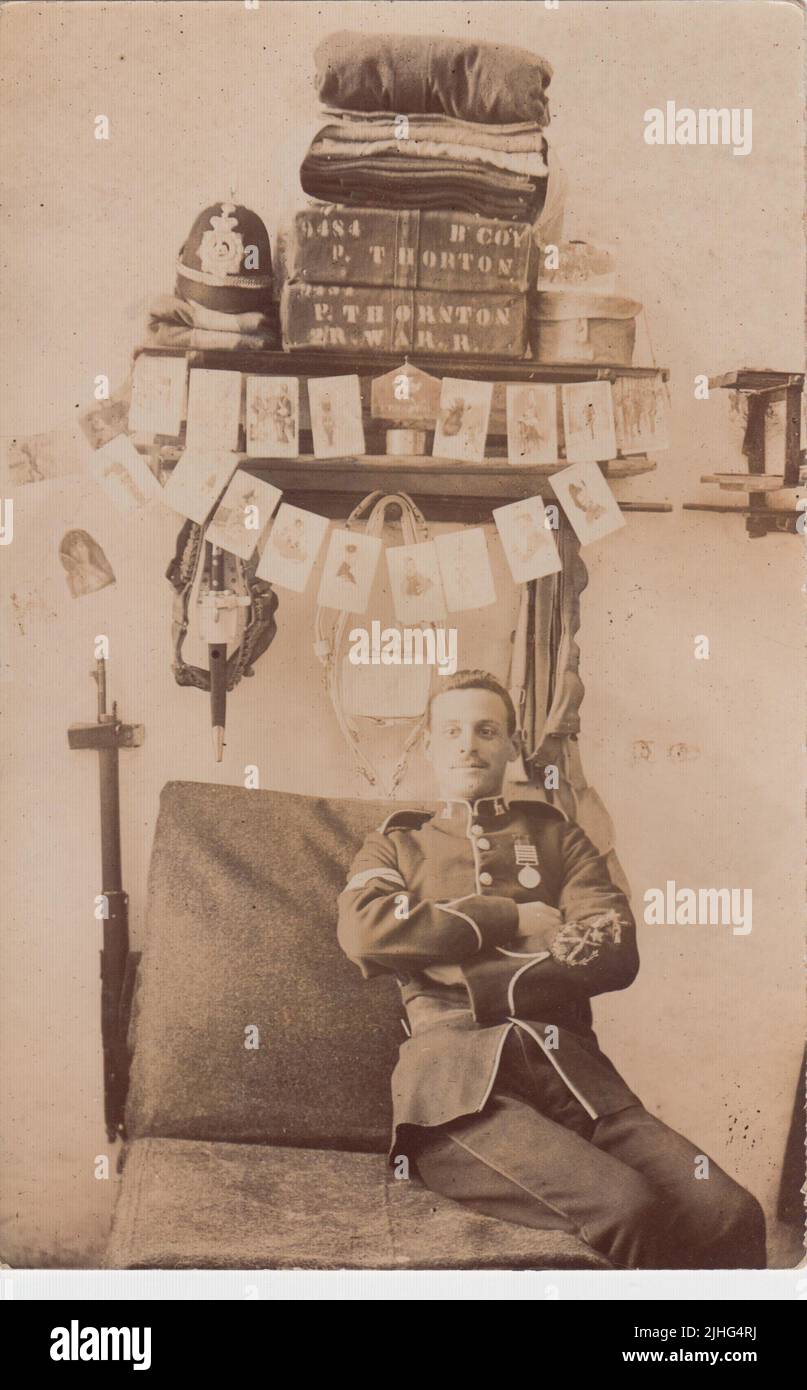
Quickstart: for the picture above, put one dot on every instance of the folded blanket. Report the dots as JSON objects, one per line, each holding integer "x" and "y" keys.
{"x": 177, "y": 322}
{"x": 395, "y": 181}
{"x": 521, "y": 137}
{"x": 530, "y": 162}
{"x": 418, "y": 73}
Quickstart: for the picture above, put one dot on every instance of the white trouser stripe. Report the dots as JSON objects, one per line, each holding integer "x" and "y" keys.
{"x": 548, "y": 1052}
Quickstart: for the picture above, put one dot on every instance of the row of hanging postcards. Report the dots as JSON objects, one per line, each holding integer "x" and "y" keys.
{"x": 598, "y": 420}
{"x": 243, "y": 513}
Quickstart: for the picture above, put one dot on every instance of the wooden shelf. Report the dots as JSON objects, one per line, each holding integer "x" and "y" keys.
{"x": 756, "y": 379}
{"x": 321, "y": 362}
{"x": 746, "y": 482}
{"x": 359, "y": 464}
{"x": 447, "y": 491}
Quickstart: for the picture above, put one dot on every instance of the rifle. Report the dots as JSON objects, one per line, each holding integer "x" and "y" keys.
{"x": 107, "y": 735}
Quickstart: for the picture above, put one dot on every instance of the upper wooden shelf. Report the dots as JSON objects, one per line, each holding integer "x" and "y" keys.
{"x": 316, "y": 362}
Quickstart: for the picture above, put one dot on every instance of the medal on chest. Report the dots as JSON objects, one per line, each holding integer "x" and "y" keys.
{"x": 527, "y": 861}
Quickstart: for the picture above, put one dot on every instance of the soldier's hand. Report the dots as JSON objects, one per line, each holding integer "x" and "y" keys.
{"x": 538, "y": 921}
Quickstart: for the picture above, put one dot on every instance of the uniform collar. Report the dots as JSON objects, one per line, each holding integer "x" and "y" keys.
{"x": 490, "y": 812}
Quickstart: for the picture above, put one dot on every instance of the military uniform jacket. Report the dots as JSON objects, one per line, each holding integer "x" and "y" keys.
{"x": 433, "y": 899}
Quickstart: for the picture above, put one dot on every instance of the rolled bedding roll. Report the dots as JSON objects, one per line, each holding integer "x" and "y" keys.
{"x": 411, "y": 73}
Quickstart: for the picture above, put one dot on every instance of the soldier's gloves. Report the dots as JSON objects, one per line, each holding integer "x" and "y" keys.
{"x": 577, "y": 943}
{"x": 538, "y": 921}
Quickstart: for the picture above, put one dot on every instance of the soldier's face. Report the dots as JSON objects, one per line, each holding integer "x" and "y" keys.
{"x": 468, "y": 744}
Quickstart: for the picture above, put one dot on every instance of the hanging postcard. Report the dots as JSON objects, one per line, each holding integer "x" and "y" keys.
{"x": 105, "y": 420}
{"x": 527, "y": 539}
{"x": 465, "y": 569}
{"x": 124, "y": 474}
{"x": 641, "y": 415}
{"x": 242, "y": 517}
{"x": 417, "y": 590}
{"x": 292, "y": 548}
{"x": 588, "y": 422}
{"x": 197, "y": 481}
{"x": 214, "y": 410}
{"x": 349, "y": 570}
{"x": 587, "y": 501}
{"x": 273, "y": 417}
{"x": 532, "y": 425}
{"x": 336, "y": 421}
{"x": 158, "y": 395}
{"x": 462, "y": 420}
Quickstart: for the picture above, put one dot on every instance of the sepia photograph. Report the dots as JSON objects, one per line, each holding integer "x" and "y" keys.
{"x": 294, "y": 542}
{"x": 587, "y": 500}
{"x": 527, "y": 540}
{"x": 241, "y": 519}
{"x": 273, "y": 417}
{"x": 588, "y": 422}
{"x": 336, "y": 418}
{"x": 532, "y": 428}
{"x": 462, "y": 420}
{"x": 402, "y": 571}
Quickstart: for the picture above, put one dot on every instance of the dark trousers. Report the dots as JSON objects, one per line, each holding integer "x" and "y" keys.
{"x": 625, "y": 1183}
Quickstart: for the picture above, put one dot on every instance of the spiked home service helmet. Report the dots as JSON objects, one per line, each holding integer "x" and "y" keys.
{"x": 226, "y": 261}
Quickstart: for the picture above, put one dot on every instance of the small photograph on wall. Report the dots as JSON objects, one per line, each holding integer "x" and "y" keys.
{"x": 349, "y": 570}
{"x": 36, "y": 458}
{"x": 465, "y": 569}
{"x": 273, "y": 417}
{"x": 588, "y": 502}
{"x": 532, "y": 425}
{"x": 641, "y": 414}
{"x": 527, "y": 539}
{"x": 86, "y": 567}
{"x": 30, "y": 602}
{"x": 588, "y": 421}
{"x": 242, "y": 517}
{"x": 462, "y": 420}
{"x": 293, "y": 545}
{"x": 124, "y": 474}
{"x": 417, "y": 590}
{"x": 197, "y": 481}
{"x": 214, "y": 410}
{"x": 336, "y": 419}
{"x": 158, "y": 395}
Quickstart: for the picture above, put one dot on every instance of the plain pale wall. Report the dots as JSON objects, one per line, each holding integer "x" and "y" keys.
{"x": 204, "y": 97}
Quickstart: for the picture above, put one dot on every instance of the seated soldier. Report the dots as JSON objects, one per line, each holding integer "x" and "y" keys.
{"x": 499, "y": 921}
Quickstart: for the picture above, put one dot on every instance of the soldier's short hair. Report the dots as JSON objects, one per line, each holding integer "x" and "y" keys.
{"x": 474, "y": 680}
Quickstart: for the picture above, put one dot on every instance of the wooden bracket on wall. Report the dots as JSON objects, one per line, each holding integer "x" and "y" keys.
{"x": 761, "y": 387}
